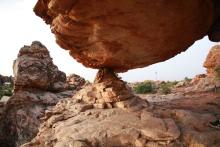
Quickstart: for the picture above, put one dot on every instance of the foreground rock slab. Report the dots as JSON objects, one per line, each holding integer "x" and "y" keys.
{"x": 76, "y": 123}
{"x": 69, "y": 124}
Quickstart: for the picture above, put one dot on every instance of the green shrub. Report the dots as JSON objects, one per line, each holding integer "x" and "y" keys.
{"x": 6, "y": 90}
{"x": 165, "y": 88}
{"x": 143, "y": 88}
{"x": 217, "y": 70}
{"x": 187, "y": 79}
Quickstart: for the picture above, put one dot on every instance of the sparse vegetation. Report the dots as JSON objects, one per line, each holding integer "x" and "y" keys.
{"x": 6, "y": 90}
{"x": 166, "y": 87}
{"x": 143, "y": 88}
{"x": 186, "y": 79}
{"x": 147, "y": 87}
{"x": 218, "y": 72}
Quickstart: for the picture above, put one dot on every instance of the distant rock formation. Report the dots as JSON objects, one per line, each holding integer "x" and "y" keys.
{"x": 124, "y": 35}
{"x": 212, "y": 61}
{"x": 38, "y": 85}
{"x": 34, "y": 69}
{"x": 5, "y": 79}
{"x": 207, "y": 82}
{"x": 76, "y": 82}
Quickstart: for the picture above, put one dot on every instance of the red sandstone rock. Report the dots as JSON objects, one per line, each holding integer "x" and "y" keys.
{"x": 34, "y": 68}
{"x": 76, "y": 82}
{"x": 212, "y": 61}
{"x": 123, "y": 35}
{"x": 36, "y": 77}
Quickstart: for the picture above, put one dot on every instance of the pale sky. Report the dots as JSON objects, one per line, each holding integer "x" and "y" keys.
{"x": 19, "y": 26}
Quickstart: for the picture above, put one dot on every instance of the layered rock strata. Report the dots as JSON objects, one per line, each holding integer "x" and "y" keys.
{"x": 79, "y": 124}
{"x": 36, "y": 81}
{"x": 34, "y": 68}
{"x": 209, "y": 81}
{"x": 124, "y": 35}
{"x": 213, "y": 61}
{"x": 109, "y": 91}
{"x": 76, "y": 82}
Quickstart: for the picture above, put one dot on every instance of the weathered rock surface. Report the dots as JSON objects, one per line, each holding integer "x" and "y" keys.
{"x": 34, "y": 68}
{"x": 161, "y": 98}
{"x": 5, "y": 79}
{"x": 76, "y": 82}
{"x": 36, "y": 79}
{"x": 207, "y": 82}
{"x": 204, "y": 85}
{"x": 71, "y": 122}
{"x": 212, "y": 61}
{"x": 76, "y": 123}
{"x": 109, "y": 91}
{"x": 123, "y": 35}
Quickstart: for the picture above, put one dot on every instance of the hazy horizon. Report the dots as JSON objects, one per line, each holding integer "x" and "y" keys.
{"x": 20, "y": 27}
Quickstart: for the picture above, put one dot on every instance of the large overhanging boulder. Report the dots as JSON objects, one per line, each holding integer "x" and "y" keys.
{"x": 128, "y": 34}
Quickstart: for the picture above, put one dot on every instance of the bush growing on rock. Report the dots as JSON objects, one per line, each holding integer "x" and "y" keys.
{"x": 186, "y": 79}
{"x": 143, "y": 88}
{"x": 6, "y": 90}
{"x": 218, "y": 72}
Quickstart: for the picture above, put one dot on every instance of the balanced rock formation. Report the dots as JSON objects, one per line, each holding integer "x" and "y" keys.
{"x": 36, "y": 79}
{"x": 34, "y": 68}
{"x": 123, "y": 35}
{"x": 109, "y": 91}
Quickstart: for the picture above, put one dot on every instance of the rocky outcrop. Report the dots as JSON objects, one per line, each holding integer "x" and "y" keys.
{"x": 5, "y": 79}
{"x": 77, "y": 123}
{"x": 34, "y": 69}
{"x": 123, "y": 35}
{"x": 36, "y": 81}
{"x": 109, "y": 91}
{"x": 109, "y": 127}
{"x": 76, "y": 82}
{"x": 209, "y": 81}
{"x": 212, "y": 61}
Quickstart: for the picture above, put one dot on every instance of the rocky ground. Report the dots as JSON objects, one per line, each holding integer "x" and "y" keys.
{"x": 180, "y": 122}
{"x": 70, "y": 112}
{"x": 38, "y": 85}
{"x": 177, "y": 119}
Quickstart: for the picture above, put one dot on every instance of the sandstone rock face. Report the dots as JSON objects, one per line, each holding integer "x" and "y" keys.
{"x": 35, "y": 77}
{"x": 123, "y": 35}
{"x": 34, "y": 68}
{"x": 207, "y": 82}
{"x": 75, "y": 82}
{"x": 212, "y": 61}
{"x": 109, "y": 91}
